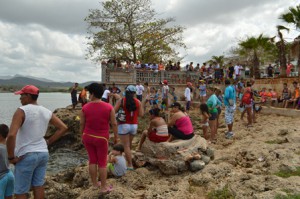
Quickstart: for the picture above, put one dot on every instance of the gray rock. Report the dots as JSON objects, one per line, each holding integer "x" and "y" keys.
{"x": 197, "y": 165}
{"x": 205, "y": 159}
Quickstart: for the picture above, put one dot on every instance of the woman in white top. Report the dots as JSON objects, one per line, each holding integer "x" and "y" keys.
{"x": 157, "y": 131}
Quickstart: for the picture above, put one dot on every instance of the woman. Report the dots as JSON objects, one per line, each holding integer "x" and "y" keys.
{"x": 157, "y": 131}
{"x": 95, "y": 119}
{"x": 202, "y": 89}
{"x": 247, "y": 101}
{"x": 128, "y": 129}
{"x": 180, "y": 125}
{"x": 213, "y": 102}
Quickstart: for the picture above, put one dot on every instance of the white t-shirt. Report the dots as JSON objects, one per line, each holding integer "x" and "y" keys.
{"x": 164, "y": 91}
{"x": 139, "y": 89}
{"x": 187, "y": 94}
{"x": 105, "y": 94}
{"x": 30, "y": 137}
{"x": 237, "y": 70}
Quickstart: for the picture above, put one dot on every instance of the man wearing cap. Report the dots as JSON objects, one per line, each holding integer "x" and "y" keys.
{"x": 26, "y": 147}
{"x": 229, "y": 102}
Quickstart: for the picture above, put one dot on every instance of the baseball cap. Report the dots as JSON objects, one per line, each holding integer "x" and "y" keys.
{"x": 131, "y": 88}
{"x": 165, "y": 82}
{"x": 189, "y": 84}
{"x": 28, "y": 89}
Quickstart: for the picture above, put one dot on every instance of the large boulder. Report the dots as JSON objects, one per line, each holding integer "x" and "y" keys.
{"x": 177, "y": 156}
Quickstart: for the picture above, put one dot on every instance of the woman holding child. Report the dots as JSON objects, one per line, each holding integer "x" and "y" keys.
{"x": 180, "y": 125}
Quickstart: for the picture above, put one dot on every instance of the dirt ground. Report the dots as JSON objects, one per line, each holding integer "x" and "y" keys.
{"x": 243, "y": 167}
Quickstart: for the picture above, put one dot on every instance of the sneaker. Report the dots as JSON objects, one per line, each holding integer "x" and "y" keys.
{"x": 228, "y": 135}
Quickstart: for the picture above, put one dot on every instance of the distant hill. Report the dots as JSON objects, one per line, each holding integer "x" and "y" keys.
{"x": 19, "y": 81}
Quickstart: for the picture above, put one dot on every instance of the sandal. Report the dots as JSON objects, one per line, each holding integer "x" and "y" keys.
{"x": 130, "y": 169}
{"x": 107, "y": 190}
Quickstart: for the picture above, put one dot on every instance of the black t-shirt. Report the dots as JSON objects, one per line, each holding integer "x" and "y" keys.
{"x": 231, "y": 69}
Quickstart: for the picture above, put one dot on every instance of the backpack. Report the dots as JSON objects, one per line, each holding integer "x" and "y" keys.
{"x": 120, "y": 115}
{"x": 246, "y": 99}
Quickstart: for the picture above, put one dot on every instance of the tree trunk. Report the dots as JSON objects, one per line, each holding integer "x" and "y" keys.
{"x": 282, "y": 57}
{"x": 256, "y": 66}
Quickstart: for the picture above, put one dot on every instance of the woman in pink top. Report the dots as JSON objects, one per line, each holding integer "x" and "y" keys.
{"x": 180, "y": 125}
{"x": 95, "y": 120}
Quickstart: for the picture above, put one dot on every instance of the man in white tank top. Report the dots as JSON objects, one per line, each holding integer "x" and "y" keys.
{"x": 26, "y": 146}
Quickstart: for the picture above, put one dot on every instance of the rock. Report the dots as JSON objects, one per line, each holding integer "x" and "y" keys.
{"x": 175, "y": 157}
{"x": 205, "y": 159}
{"x": 197, "y": 165}
{"x": 283, "y": 132}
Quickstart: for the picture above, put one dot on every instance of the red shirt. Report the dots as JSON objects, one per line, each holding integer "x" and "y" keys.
{"x": 131, "y": 116}
{"x": 97, "y": 118}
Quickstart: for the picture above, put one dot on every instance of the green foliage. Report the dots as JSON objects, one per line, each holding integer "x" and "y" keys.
{"x": 287, "y": 173}
{"x": 292, "y": 16}
{"x": 129, "y": 30}
{"x": 221, "y": 194}
{"x": 288, "y": 196}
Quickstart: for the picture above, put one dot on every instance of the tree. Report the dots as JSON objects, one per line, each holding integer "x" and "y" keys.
{"x": 281, "y": 50}
{"x": 252, "y": 47}
{"x": 129, "y": 30}
{"x": 293, "y": 17}
{"x": 218, "y": 59}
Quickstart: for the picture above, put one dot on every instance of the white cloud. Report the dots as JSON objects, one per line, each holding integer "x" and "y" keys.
{"x": 47, "y": 38}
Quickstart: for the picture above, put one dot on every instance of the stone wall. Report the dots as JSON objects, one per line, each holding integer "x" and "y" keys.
{"x": 276, "y": 83}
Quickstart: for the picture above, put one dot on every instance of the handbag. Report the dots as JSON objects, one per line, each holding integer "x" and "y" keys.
{"x": 120, "y": 115}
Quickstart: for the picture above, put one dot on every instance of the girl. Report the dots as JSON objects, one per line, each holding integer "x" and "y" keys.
{"x": 204, "y": 122}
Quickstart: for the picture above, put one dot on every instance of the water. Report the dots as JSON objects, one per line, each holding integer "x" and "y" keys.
{"x": 10, "y": 102}
{"x": 61, "y": 159}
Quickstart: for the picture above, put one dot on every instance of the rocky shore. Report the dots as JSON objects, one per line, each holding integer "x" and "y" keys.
{"x": 259, "y": 162}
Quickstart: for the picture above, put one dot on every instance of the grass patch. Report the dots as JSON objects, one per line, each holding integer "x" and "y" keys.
{"x": 224, "y": 193}
{"x": 289, "y": 196}
{"x": 271, "y": 142}
{"x": 287, "y": 174}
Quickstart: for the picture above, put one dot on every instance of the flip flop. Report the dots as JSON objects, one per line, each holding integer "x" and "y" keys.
{"x": 107, "y": 190}
{"x": 130, "y": 169}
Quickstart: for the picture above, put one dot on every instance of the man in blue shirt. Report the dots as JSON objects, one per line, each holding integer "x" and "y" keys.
{"x": 229, "y": 102}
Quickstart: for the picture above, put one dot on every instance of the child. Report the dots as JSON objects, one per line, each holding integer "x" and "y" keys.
{"x": 173, "y": 94}
{"x": 204, "y": 122}
{"x": 218, "y": 93}
{"x": 117, "y": 163}
{"x": 6, "y": 176}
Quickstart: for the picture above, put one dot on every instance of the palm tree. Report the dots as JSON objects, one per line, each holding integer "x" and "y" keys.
{"x": 218, "y": 59}
{"x": 293, "y": 17}
{"x": 281, "y": 50}
{"x": 254, "y": 46}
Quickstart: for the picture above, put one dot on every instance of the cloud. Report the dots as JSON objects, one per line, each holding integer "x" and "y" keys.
{"x": 48, "y": 38}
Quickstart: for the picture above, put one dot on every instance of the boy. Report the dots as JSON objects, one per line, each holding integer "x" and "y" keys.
{"x": 117, "y": 163}
{"x": 6, "y": 176}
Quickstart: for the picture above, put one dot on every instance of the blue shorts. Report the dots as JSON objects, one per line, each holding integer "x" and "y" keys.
{"x": 124, "y": 129}
{"x": 7, "y": 185}
{"x": 30, "y": 171}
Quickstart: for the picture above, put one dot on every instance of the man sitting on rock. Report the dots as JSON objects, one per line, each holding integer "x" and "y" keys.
{"x": 157, "y": 131}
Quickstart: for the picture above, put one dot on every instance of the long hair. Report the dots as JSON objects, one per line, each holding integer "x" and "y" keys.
{"x": 130, "y": 102}
{"x": 204, "y": 108}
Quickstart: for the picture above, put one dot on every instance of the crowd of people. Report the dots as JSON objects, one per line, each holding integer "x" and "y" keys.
{"x": 106, "y": 109}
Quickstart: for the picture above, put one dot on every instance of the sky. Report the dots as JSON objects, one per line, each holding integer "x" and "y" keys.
{"x": 47, "y": 38}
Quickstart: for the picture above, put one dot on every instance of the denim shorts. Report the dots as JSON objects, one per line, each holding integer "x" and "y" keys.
{"x": 124, "y": 129}
{"x": 30, "y": 171}
{"x": 7, "y": 185}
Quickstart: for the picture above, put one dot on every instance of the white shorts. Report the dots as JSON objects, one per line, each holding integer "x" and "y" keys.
{"x": 124, "y": 129}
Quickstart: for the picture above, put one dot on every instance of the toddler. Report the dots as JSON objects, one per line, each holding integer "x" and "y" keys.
{"x": 117, "y": 163}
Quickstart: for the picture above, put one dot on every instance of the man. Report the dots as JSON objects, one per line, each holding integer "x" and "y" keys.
{"x": 229, "y": 102}
{"x": 74, "y": 95}
{"x": 295, "y": 96}
{"x": 26, "y": 146}
{"x": 187, "y": 95}
{"x": 164, "y": 94}
{"x": 139, "y": 91}
{"x": 237, "y": 71}
{"x": 270, "y": 70}
{"x": 230, "y": 71}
